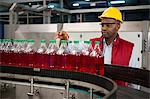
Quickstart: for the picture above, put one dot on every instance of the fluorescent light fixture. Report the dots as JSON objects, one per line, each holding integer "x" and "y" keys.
{"x": 35, "y": 6}
{"x": 51, "y": 6}
{"x": 87, "y": 0}
{"x": 75, "y": 4}
{"x": 30, "y": 3}
{"x": 92, "y": 4}
{"x": 117, "y": 2}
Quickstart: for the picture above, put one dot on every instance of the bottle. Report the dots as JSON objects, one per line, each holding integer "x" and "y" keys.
{"x": 51, "y": 51}
{"x": 30, "y": 51}
{"x": 62, "y": 55}
{"x": 20, "y": 53}
{"x": 69, "y": 57}
{"x": 1, "y": 52}
{"x": 96, "y": 52}
{"x": 87, "y": 48}
{"x": 86, "y": 64}
{"x": 98, "y": 58}
{"x": 41, "y": 56}
{"x": 52, "y": 48}
{"x": 76, "y": 58}
{"x": 24, "y": 54}
{"x": 14, "y": 52}
{"x": 7, "y": 52}
{"x": 63, "y": 48}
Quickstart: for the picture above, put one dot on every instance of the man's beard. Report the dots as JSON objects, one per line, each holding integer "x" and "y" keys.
{"x": 105, "y": 35}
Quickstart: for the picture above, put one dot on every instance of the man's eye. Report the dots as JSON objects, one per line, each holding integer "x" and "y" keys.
{"x": 108, "y": 25}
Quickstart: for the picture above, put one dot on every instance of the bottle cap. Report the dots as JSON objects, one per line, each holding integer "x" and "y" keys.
{"x": 89, "y": 42}
{"x": 97, "y": 42}
{"x": 69, "y": 41}
{"x": 42, "y": 41}
{"x": 63, "y": 41}
{"x": 30, "y": 40}
{"x": 52, "y": 41}
{"x": 86, "y": 42}
{"x": 76, "y": 42}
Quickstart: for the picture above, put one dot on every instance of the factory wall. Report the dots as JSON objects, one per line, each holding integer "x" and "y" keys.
{"x": 131, "y": 31}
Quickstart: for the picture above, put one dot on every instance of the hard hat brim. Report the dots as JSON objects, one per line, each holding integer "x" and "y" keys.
{"x": 100, "y": 17}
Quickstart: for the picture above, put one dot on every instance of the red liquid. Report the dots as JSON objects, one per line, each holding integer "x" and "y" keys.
{"x": 83, "y": 64}
{"x": 80, "y": 63}
{"x": 10, "y": 58}
{"x": 20, "y": 59}
{"x": 52, "y": 61}
{"x": 40, "y": 60}
{"x": 31, "y": 59}
{"x": 69, "y": 61}
{"x": 46, "y": 63}
{"x": 1, "y": 57}
{"x": 14, "y": 59}
{"x": 5, "y": 57}
{"x": 25, "y": 61}
{"x": 76, "y": 61}
{"x": 99, "y": 61}
{"x": 87, "y": 64}
{"x": 61, "y": 62}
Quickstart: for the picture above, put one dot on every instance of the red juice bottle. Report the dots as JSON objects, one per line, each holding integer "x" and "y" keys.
{"x": 75, "y": 59}
{"x": 98, "y": 58}
{"x": 14, "y": 53}
{"x": 62, "y": 55}
{"x": 20, "y": 52}
{"x": 4, "y": 53}
{"x": 30, "y": 54}
{"x": 7, "y": 52}
{"x": 40, "y": 56}
{"x": 1, "y": 51}
{"x": 51, "y": 52}
{"x": 85, "y": 58}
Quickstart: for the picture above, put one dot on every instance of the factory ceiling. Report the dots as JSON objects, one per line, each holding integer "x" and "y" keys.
{"x": 89, "y": 8}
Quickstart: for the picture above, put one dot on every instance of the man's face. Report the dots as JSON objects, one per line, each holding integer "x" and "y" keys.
{"x": 109, "y": 27}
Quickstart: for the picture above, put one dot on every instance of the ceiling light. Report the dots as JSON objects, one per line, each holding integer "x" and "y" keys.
{"x": 30, "y": 3}
{"x": 87, "y": 0}
{"x": 75, "y": 4}
{"x": 117, "y": 2}
{"x": 51, "y": 6}
{"x": 92, "y": 4}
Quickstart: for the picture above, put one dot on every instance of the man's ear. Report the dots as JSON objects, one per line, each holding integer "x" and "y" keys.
{"x": 118, "y": 27}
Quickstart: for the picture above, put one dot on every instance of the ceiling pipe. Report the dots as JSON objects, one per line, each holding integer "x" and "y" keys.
{"x": 13, "y": 7}
{"x": 102, "y": 9}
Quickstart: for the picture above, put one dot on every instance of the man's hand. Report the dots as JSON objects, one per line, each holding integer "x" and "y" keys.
{"x": 62, "y": 35}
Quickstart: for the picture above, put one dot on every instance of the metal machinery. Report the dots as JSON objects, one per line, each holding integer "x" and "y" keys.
{"x": 27, "y": 83}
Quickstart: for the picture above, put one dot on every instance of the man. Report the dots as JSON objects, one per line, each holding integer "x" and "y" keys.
{"x": 116, "y": 50}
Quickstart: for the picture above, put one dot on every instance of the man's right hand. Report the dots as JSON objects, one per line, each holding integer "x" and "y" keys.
{"x": 62, "y": 35}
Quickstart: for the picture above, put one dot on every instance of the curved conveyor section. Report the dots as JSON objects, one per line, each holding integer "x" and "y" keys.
{"x": 95, "y": 85}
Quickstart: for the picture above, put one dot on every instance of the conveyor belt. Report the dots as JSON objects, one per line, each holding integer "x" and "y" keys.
{"x": 79, "y": 76}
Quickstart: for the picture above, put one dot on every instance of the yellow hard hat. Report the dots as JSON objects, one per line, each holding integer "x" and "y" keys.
{"x": 112, "y": 12}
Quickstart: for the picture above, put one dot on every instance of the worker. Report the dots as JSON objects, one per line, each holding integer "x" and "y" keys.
{"x": 117, "y": 51}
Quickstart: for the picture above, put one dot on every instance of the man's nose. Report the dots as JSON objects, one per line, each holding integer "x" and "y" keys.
{"x": 104, "y": 27}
